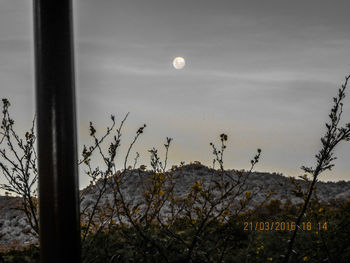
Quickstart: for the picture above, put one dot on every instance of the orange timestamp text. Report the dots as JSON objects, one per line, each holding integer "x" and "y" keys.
{"x": 284, "y": 226}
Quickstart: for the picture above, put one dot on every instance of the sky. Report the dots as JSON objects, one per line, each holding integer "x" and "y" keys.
{"x": 263, "y": 72}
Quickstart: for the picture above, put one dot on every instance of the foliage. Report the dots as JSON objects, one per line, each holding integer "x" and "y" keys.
{"x": 325, "y": 157}
{"x": 122, "y": 243}
{"x": 18, "y": 164}
{"x": 27, "y": 255}
{"x": 203, "y": 224}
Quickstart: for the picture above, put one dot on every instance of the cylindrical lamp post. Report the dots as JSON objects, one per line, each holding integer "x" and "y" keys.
{"x": 57, "y": 139}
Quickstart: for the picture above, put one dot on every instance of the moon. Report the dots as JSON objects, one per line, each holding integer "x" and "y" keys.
{"x": 179, "y": 63}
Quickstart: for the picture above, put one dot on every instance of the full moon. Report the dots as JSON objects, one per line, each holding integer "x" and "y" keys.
{"x": 179, "y": 63}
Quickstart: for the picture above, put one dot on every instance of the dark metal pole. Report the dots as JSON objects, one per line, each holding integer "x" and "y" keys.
{"x": 57, "y": 144}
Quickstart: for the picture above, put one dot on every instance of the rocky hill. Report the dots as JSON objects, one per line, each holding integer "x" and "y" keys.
{"x": 14, "y": 229}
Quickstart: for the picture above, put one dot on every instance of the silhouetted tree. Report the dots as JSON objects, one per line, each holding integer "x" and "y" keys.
{"x": 325, "y": 157}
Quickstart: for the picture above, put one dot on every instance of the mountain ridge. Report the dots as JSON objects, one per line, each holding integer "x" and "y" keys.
{"x": 15, "y": 231}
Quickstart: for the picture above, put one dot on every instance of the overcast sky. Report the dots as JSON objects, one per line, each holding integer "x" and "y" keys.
{"x": 264, "y": 72}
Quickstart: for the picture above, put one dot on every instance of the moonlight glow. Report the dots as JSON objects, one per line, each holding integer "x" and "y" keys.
{"x": 179, "y": 62}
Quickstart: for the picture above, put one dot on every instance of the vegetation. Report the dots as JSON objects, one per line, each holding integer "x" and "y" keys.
{"x": 212, "y": 222}
{"x": 122, "y": 243}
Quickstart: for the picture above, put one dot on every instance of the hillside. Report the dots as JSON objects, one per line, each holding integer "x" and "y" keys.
{"x": 14, "y": 229}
